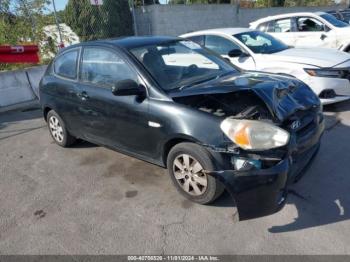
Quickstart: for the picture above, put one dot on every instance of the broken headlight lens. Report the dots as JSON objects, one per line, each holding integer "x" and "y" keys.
{"x": 325, "y": 73}
{"x": 254, "y": 135}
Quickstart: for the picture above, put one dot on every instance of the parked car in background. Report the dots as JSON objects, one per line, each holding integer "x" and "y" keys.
{"x": 212, "y": 126}
{"x": 326, "y": 71}
{"x": 318, "y": 29}
{"x": 342, "y": 15}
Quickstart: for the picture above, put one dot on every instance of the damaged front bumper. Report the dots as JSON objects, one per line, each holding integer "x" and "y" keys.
{"x": 261, "y": 192}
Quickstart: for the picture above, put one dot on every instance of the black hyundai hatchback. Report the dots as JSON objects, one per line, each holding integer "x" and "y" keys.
{"x": 173, "y": 103}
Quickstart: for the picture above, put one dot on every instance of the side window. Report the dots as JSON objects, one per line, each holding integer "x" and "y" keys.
{"x": 66, "y": 65}
{"x": 263, "y": 27}
{"x": 104, "y": 67}
{"x": 219, "y": 44}
{"x": 280, "y": 26}
{"x": 309, "y": 24}
{"x": 199, "y": 39}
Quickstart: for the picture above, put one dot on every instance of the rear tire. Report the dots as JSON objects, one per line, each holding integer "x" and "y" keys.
{"x": 58, "y": 130}
{"x": 186, "y": 162}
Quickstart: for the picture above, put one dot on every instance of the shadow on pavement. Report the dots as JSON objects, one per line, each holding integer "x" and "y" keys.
{"x": 83, "y": 144}
{"x": 321, "y": 197}
{"x": 6, "y": 118}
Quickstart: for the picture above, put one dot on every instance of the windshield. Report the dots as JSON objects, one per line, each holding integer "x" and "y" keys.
{"x": 334, "y": 21}
{"x": 180, "y": 63}
{"x": 261, "y": 43}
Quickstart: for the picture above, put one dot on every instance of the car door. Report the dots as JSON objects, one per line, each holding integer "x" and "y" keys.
{"x": 223, "y": 46}
{"x": 116, "y": 121}
{"x": 283, "y": 29}
{"x": 311, "y": 32}
{"x": 64, "y": 88}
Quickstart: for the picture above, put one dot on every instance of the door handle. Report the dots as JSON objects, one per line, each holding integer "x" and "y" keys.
{"x": 83, "y": 96}
{"x": 323, "y": 37}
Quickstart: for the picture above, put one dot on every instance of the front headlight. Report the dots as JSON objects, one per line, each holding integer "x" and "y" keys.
{"x": 325, "y": 73}
{"x": 254, "y": 135}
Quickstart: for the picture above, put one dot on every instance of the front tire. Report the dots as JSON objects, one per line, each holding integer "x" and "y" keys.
{"x": 58, "y": 130}
{"x": 186, "y": 163}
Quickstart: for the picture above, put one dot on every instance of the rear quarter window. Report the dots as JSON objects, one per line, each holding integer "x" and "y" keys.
{"x": 263, "y": 27}
{"x": 65, "y": 65}
{"x": 199, "y": 39}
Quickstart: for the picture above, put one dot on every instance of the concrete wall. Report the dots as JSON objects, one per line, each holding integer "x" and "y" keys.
{"x": 20, "y": 85}
{"x": 178, "y": 19}
{"x": 34, "y": 76}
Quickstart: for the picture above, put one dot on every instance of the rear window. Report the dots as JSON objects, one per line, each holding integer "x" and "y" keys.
{"x": 66, "y": 64}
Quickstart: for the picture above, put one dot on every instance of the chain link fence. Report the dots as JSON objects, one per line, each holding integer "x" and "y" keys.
{"x": 34, "y": 22}
{"x": 254, "y": 3}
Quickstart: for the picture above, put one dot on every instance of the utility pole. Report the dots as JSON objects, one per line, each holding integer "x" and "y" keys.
{"x": 57, "y": 24}
{"x": 133, "y": 16}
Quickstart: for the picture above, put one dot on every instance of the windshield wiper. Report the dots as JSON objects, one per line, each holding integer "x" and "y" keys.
{"x": 197, "y": 82}
{"x": 204, "y": 80}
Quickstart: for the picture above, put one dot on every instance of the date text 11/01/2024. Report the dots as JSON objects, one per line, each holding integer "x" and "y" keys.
{"x": 174, "y": 258}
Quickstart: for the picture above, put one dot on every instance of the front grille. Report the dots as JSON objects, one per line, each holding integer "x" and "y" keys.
{"x": 308, "y": 121}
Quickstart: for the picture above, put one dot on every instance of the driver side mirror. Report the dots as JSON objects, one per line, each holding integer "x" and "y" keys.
{"x": 236, "y": 53}
{"x": 126, "y": 87}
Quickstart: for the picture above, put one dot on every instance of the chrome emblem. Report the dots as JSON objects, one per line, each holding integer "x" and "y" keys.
{"x": 295, "y": 125}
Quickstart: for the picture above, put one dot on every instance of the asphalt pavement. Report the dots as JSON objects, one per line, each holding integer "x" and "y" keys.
{"x": 90, "y": 200}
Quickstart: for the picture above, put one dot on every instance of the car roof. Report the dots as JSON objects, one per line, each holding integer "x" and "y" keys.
{"x": 286, "y": 15}
{"x": 227, "y": 31}
{"x": 129, "y": 42}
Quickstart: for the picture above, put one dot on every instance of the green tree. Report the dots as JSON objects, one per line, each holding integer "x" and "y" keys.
{"x": 90, "y": 22}
{"x": 21, "y": 22}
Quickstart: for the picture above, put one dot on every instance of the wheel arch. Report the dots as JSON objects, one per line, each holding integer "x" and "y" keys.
{"x": 46, "y": 110}
{"x": 173, "y": 142}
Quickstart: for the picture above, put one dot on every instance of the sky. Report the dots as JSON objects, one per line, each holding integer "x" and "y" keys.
{"x": 60, "y": 5}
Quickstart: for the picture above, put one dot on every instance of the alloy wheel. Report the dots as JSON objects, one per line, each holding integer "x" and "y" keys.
{"x": 189, "y": 174}
{"x": 56, "y": 129}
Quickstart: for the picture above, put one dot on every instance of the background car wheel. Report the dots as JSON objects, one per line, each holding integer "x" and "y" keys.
{"x": 186, "y": 162}
{"x": 58, "y": 130}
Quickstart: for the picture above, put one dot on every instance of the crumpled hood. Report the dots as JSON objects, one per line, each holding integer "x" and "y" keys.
{"x": 282, "y": 95}
{"x": 320, "y": 57}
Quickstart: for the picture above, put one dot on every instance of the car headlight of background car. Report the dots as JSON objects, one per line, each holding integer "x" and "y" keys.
{"x": 326, "y": 73}
{"x": 254, "y": 135}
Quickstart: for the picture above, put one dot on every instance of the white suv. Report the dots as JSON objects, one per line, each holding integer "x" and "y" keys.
{"x": 307, "y": 30}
